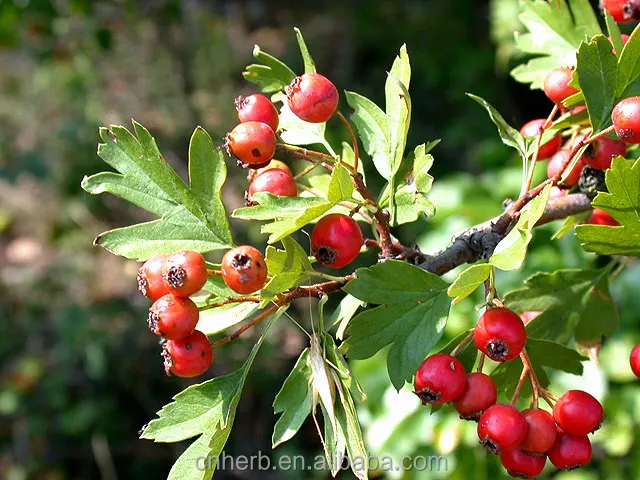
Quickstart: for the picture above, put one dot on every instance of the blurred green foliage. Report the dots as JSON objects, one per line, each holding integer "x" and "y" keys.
{"x": 80, "y": 373}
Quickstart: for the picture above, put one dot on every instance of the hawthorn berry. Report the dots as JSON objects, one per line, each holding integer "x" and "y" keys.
{"x": 500, "y": 334}
{"x": 600, "y": 217}
{"x": 150, "y": 281}
{"x": 274, "y": 180}
{"x": 541, "y": 431}
{"x": 173, "y": 317}
{"x": 253, "y": 173}
{"x": 569, "y": 452}
{"x": 559, "y": 159}
{"x": 479, "y": 393}
{"x": 184, "y": 273}
{"x": 556, "y": 84}
{"x": 312, "y": 97}
{"x": 336, "y": 240}
{"x": 501, "y": 427}
{"x": 626, "y": 119}
{"x": 532, "y": 128}
{"x": 634, "y": 360}
{"x": 600, "y": 153}
{"x": 622, "y": 11}
{"x": 189, "y": 356}
{"x": 257, "y": 108}
{"x": 520, "y": 464}
{"x": 439, "y": 379}
{"x": 253, "y": 143}
{"x": 244, "y": 269}
{"x": 578, "y": 413}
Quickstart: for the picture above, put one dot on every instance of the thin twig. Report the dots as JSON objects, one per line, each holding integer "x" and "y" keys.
{"x": 461, "y": 345}
{"x": 229, "y": 300}
{"x": 245, "y": 327}
{"x": 354, "y": 140}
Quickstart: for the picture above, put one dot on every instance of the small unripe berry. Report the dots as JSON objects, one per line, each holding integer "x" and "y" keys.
{"x": 501, "y": 427}
{"x": 532, "y": 128}
{"x": 569, "y": 452}
{"x": 173, "y": 317}
{"x": 520, "y": 464}
{"x": 275, "y": 181}
{"x": 626, "y": 119}
{"x": 336, "y": 240}
{"x": 312, "y": 97}
{"x": 541, "y": 431}
{"x": 257, "y": 108}
{"x": 500, "y": 334}
{"x": 244, "y": 269}
{"x": 184, "y": 273}
{"x": 150, "y": 281}
{"x": 253, "y": 143}
{"x": 479, "y": 393}
{"x": 187, "y": 357}
{"x": 578, "y": 413}
{"x": 439, "y": 379}
{"x": 634, "y": 360}
{"x": 600, "y": 217}
{"x": 556, "y": 84}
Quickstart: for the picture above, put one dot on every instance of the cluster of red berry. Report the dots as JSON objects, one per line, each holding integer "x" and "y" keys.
{"x": 523, "y": 439}
{"x": 622, "y": 11}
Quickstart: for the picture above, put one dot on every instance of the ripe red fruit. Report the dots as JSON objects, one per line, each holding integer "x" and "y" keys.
{"x": 253, "y": 143}
{"x": 500, "y": 334}
{"x": 569, "y": 452}
{"x": 531, "y": 129}
{"x": 622, "y": 11}
{"x": 253, "y": 173}
{"x": 479, "y": 393}
{"x": 244, "y": 269}
{"x": 556, "y": 84}
{"x": 257, "y": 108}
{"x": 275, "y": 181}
{"x": 336, "y": 240}
{"x": 150, "y": 281}
{"x": 187, "y": 357}
{"x": 312, "y": 97}
{"x": 578, "y": 413}
{"x": 184, "y": 273}
{"x": 626, "y": 119}
{"x": 558, "y": 161}
{"x": 520, "y": 464}
{"x": 173, "y": 317}
{"x": 600, "y": 217}
{"x": 634, "y": 360}
{"x": 501, "y": 427}
{"x": 541, "y": 431}
{"x": 600, "y": 153}
{"x": 440, "y": 378}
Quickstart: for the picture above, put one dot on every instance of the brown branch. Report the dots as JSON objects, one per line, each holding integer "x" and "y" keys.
{"x": 245, "y": 327}
{"x": 382, "y": 222}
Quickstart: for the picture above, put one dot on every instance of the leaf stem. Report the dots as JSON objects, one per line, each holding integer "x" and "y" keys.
{"x": 481, "y": 357}
{"x": 245, "y": 327}
{"x": 523, "y": 377}
{"x": 461, "y": 345}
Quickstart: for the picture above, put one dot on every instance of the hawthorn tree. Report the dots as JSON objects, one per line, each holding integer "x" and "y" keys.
{"x": 400, "y": 304}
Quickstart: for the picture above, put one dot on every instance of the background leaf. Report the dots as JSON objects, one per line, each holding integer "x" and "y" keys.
{"x": 272, "y": 75}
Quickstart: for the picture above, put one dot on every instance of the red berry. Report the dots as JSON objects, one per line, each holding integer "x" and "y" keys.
{"x": 532, "y": 128}
{"x": 184, "y": 273}
{"x": 622, "y": 11}
{"x": 244, "y": 269}
{"x": 501, "y": 427}
{"x": 600, "y": 217}
{"x": 479, "y": 394}
{"x": 626, "y": 119}
{"x": 556, "y": 163}
{"x": 253, "y": 143}
{"x": 569, "y": 452}
{"x": 187, "y": 357}
{"x": 336, "y": 240}
{"x": 578, "y": 413}
{"x": 520, "y": 464}
{"x": 500, "y": 334}
{"x": 557, "y": 192}
{"x": 600, "y": 153}
{"x": 541, "y": 431}
{"x": 257, "y": 108}
{"x": 275, "y": 181}
{"x": 253, "y": 173}
{"x": 312, "y": 97}
{"x": 556, "y": 84}
{"x": 439, "y": 379}
{"x": 530, "y": 315}
{"x": 634, "y": 360}
{"x": 173, "y": 317}
{"x": 150, "y": 281}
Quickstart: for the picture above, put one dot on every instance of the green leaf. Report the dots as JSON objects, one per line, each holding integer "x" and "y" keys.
{"x": 598, "y": 78}
{"x": 569, "y": 224}
{"x": 398, "y": 106}
{"x": 272, "y": 76}
{"x": 555, "y": 30}
{"x": 373, "y": 129}
{"x": 622, "y": 202}
{"x": 573, "y": 303}
{"x": 191, "y": 218}
{"x": 629, "y": 66}
{"x": 294, "y": 401}
{"x": 343, "y": 314}
{"x": 468, "y": 281}
{"x": 309, "y": 64}
{"x": 512, "y": 249}
{"x": 509, "y": 135}
{"x": 412, "y": 312}
{"x": 191, "y": 465}
{"x": 614, "y": 32}
{"x": 287, "y": 268}
{"x": 216, "y": 320}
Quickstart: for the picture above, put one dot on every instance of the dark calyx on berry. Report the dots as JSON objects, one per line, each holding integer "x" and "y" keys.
{"x": 167, "y": 360}
{"x": 152, "y": 321}
{"x": 325, "y": 254}
{"x": 490, "y": 445}
{"x": 175, "y": 276}
{"x": 498, "y": 351}
{"x": 142, "y": 283}
{"x": 592, "y": 181}
{"x": 242, "y": 263}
